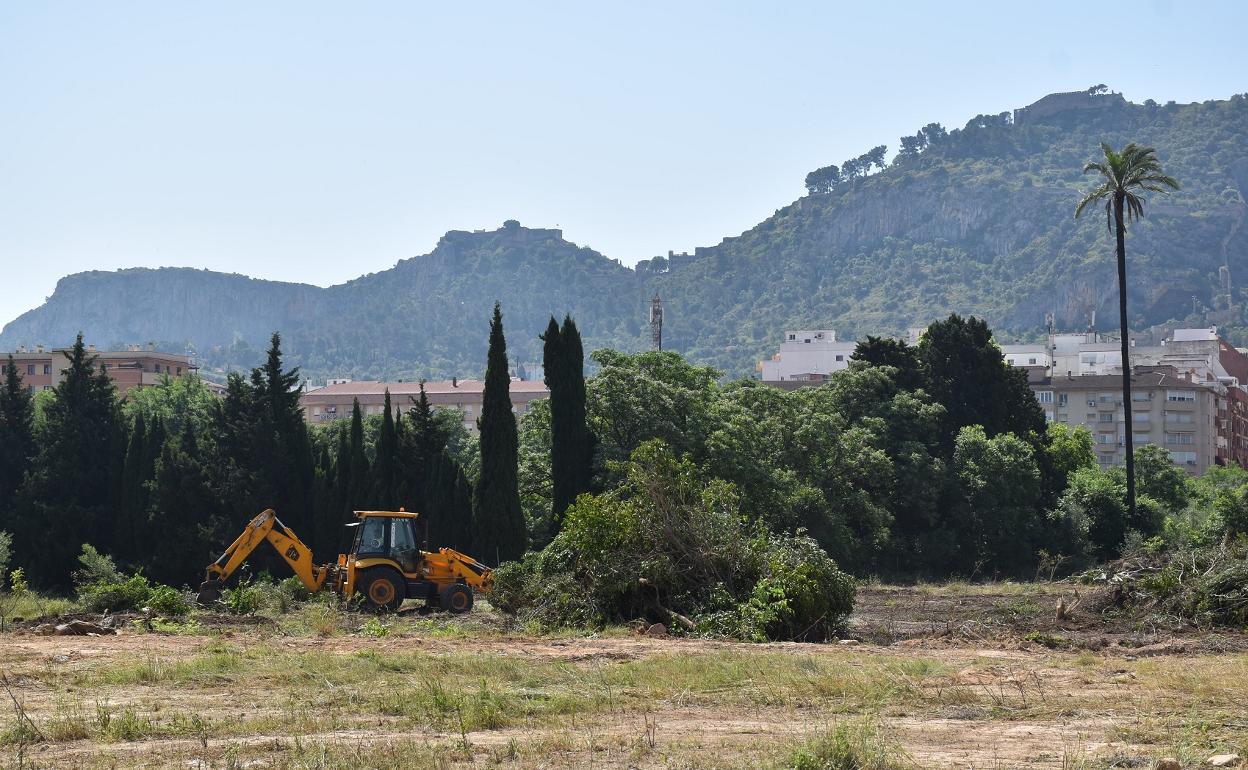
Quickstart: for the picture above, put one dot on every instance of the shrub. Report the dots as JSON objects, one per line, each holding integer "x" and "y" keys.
{"x": 114, "y": 596}
{"x": 801, "y": 596}
{"x": 375, "y": 628}
{"x": 169, "y": 602}
{"x": 668, "y": 539}
{"x": 850, "y": 746}
{"x": 96, "y": 568}
{"x": 243, "y": 599}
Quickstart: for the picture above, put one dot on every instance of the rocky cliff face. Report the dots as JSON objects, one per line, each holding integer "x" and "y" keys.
{"x": 173, "y": 306}
{"x": 980, "y": 223}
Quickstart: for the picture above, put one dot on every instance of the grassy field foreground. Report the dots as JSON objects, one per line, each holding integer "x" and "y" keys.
{"x": 302, "y": 692}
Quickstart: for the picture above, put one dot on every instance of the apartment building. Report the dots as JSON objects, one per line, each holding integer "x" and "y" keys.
{"x": 334, "y": 401}
{"x": 134, "y": 367}
{"x": 1168, "y": 408}
{"x": 1088, "y": 363}
{"x": 806, "y": 357}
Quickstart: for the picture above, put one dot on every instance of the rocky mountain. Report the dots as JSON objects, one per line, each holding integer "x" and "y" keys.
{"x": 978, "y": 220}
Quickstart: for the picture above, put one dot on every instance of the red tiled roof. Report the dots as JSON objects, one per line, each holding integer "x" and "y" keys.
{"x": 375, "y": 388}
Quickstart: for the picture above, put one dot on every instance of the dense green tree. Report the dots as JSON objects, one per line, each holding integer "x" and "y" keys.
{"x": 1124, "y": 176}
{"x": 187, "y": 529}
{"x": 498, "y": 522}
{"x": 1068, "y": 449}
{"x": 448, "y": 505}
{"x": 572, "y": 451}
{"x": 823, "y": 180}
{"x": 1161, "y": 480}
{"x": 17, "y": 438}
{"x": 130, "y": 520}
{"x": 966, "y": 373}
{"x": 1093, "y": 512}
{"x": 643, "y": 396}
{"x": 885, "y": 351}
{"x": 65, "y": 499}
{"x": 176, "y": 402}
{"x": 1000, "y": 525}
{"x": 264, "y": 452}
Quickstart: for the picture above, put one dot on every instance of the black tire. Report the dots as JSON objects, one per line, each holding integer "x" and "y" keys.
{"x": 209, "y": 593}
{"x": 382, "y": 589}
{"x": 456, "y": 598}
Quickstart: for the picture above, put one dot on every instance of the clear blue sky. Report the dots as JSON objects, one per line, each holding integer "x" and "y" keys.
{"x": 315, "y": 141}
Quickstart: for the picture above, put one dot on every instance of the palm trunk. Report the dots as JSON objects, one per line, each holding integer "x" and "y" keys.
{"x": 1121, "y": 234}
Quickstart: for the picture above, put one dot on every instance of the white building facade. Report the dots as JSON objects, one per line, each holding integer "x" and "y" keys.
{"x": 806, "y": 356}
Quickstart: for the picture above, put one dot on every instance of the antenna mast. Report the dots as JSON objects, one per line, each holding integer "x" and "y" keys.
{"x": 656, "y": 323}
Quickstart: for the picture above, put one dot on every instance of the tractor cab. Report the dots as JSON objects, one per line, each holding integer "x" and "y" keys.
{"x": 390, "y": 535}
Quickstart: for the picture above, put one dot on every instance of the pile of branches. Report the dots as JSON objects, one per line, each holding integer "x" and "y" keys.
{"x": 1201, "y": 585}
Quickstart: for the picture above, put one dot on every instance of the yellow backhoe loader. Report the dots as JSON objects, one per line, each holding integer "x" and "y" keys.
{"x": 384, "y": 567}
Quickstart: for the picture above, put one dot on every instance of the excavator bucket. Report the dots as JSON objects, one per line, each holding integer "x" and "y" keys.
{"x": 209, "y": 593}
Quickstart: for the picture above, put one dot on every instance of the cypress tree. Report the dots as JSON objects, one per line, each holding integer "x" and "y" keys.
{"x": 17, "y": 437}
{"x": 554, "y": 367}
{"x": 185, "y": 522}
{"x": 357, "y": 478}
{"x": 383, "y": 468}
{"x": 65, "y": 499}
{"x": 286, "y": 450}
{"x": 132, "y": 512}
{"x": 575, "y": 423}
{"x": 571, "y": 446}
{"x": 461, "y": 520}
{"x": 448, "y": 504}
{"x": 326, "y": 527}
{"x": 499, "y": 528}
{"x": 340, "y": 509}
{"x": 428, "y": 438}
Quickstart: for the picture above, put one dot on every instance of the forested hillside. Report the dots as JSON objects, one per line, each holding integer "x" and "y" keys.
{"x": 975, "y": 220}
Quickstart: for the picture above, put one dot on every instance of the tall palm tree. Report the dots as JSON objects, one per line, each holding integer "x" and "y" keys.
{"x": 1124, "y": 175}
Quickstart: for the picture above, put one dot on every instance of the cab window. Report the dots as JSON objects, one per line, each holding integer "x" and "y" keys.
{"x": 372, "y": 539}
{"x": 403, "y": 544}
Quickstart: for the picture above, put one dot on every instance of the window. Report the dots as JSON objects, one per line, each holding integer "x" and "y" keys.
{"x": 1048, "y": 415}
{"x": 1105, "y": 459}
{"x": 403, "y": 545}
{"x": 1106, "y": 438}
{"x": 1139, "y": 417}
{"x": 1183, "y": 458}
{"x": 1105, "y": 417}
{"x": 1180, "y": 438}
{"x": 1032, "y": 361}
{"x": 1180, "y": 395}
{"x": 1183, "y": 417}
{"x": 807, "y": 340}
{"x": 1141, "y": 438}
{"x": 840, "y": 358}
{"x": 30, "y": 368}
{"x": 372, "y": 537}
{"x": 1062, "y": 399}
{"x": 1107, "y": 398}
{"x": 1138, "y": 396}
{"x": 1045, "y": 396}
{"x": 792, "y": 337}
{"x": 180, "y": 368}
{"x": 1091, "y": 417}
{"x": 47, "y": 368}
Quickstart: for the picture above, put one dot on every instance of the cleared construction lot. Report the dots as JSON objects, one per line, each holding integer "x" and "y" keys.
{"x": 953, "y": 676}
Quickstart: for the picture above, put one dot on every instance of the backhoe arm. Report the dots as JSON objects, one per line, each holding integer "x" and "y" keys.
{"x": 265, "y": 526}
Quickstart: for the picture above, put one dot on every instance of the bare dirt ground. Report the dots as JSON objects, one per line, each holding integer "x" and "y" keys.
{"x": 955, "y": 676}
